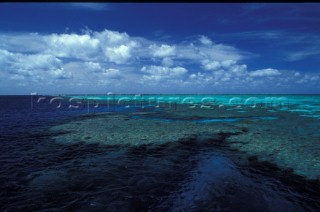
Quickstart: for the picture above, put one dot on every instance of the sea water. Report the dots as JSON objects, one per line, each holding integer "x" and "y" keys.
{"x": 303, "y": 104}
{"x": 227, "y": 152}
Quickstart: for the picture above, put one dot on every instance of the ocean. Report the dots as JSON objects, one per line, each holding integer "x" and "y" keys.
{"x": 160, "y": 152}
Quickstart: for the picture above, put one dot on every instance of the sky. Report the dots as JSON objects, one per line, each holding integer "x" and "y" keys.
{"x": 159, "y": 48}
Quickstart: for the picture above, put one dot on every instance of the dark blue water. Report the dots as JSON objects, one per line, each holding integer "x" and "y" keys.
{"x": 194, "y": 174}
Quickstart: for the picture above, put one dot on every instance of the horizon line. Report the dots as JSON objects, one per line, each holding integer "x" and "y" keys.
{"x": 105, "y": 94}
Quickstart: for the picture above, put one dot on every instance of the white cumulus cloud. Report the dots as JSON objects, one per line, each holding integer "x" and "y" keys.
{"x": 72, "y": 46}
{"x": 158, "y": 73}
{"x": 163, "y": 50}
{"x": 112, "y": 73}
{"x": 205, "y": 40}
{"x": 265, "y": 72}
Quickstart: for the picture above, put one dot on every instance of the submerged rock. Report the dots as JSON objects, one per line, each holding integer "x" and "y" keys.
{"x": 118, "y": 129}
{"x": 285, "y": 139}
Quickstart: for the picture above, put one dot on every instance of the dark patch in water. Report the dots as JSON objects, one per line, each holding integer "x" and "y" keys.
{"x": 244, "y": 129}
{"x": 147, "y": 177}
{"x": 308, "y": 191}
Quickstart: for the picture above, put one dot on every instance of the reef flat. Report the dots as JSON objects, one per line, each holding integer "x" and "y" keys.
{"x": 119, "y": 129}
{"x": 285, "y": 139}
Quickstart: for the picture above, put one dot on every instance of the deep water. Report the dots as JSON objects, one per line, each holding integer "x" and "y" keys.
{"x": 198, "y": 173}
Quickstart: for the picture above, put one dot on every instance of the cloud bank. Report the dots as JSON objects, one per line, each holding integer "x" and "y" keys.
{"x": 99, "y": 62}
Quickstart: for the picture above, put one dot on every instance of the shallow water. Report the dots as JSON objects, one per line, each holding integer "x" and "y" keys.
{"x": 199, "y": 171}
{"x": 301, "y": 104}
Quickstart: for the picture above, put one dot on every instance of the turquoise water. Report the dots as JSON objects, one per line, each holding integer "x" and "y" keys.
{"x": 213, "y": 120}
{"x": 304, "y": 105}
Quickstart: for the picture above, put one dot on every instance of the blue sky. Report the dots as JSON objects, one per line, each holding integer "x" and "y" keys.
{"x": 58, "y": 48}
